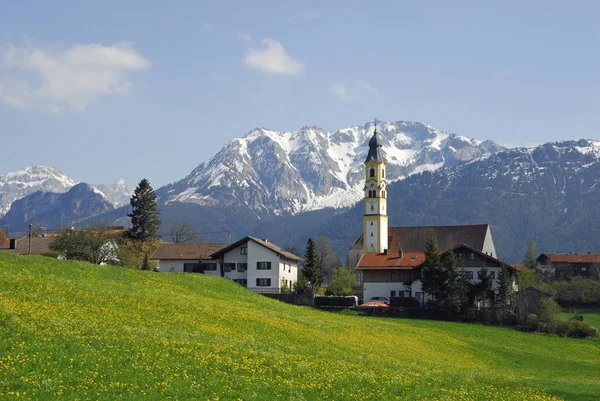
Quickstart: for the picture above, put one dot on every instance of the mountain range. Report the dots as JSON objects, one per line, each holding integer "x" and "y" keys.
{"x": 295, "y": 184}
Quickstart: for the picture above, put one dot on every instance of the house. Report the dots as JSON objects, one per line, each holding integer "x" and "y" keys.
{"x": 188, "y": 258}
{"x": 40, "y": 244}
{"x": 387, "y": 258}
{"x": 255, "y": 263}
{"x": 565, "y": 265}
{"x": 259, "y": 265}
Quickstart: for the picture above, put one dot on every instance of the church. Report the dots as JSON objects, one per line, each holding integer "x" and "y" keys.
{"x": 388, "y": 257}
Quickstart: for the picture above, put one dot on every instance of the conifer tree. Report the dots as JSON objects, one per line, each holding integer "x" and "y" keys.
{"x": 312, "y": 266}
{"x": 144, "y": 216}
{"x": 457, "y": 289}
{"x": 433, "y": 282}
{"x": 505, "y": 289}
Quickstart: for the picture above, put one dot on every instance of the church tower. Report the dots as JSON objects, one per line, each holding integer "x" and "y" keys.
{"x": 375, "y": 220}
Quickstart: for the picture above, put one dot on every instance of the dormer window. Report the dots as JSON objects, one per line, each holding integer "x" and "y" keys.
{"x": 372, "y": 172}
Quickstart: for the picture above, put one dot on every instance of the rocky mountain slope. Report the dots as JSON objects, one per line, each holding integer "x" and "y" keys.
{"x": 54, "y": 210}
{"x": 118, "y": 193}
{"x": 26, "y": 181}
{"x": 278, "y": 173}
{"x": 549, "y": 194}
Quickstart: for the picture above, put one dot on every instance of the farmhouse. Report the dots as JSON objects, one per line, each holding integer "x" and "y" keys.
{"x": 565, "y": 265}
{"x": 255, "y": 263}
{"x": 388, "y": 257}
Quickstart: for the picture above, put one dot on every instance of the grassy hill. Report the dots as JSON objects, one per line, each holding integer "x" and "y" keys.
{"x": 72, "y": 330}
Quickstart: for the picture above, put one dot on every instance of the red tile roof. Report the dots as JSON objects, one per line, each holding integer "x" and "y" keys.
{"x": 380, "y": 261}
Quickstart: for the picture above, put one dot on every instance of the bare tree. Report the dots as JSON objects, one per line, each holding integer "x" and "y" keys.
{"x": 183, "y": 233}
{"x": 327, "y": 258}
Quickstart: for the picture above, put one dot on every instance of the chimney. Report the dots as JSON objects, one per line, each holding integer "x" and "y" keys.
{"x": 400, "y": 253}
{"x": 13, "y": 243}
{"x": 265, "y": 239}
{"x": 43, "y": 235}
{"x": 385, "y": 251}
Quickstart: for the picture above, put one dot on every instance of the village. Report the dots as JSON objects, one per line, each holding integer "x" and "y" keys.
{"x": 454, "y": 269}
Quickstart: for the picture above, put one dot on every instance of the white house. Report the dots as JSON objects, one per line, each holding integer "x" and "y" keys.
{"x": 259, "y": 265}
{"x": 255, "y": 263}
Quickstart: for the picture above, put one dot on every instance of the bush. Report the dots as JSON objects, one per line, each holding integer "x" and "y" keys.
{"x": 580, "y": 291}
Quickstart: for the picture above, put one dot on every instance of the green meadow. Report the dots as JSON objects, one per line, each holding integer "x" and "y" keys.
{"x": 75, "y": 331}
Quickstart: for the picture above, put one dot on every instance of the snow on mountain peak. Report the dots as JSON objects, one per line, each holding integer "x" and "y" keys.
{"x": 27, "y": 180}
{"x": 311, "y": 168}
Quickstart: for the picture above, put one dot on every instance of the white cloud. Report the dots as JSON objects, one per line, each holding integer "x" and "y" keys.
{"x": 339, "y": 89}
{"x": 245, "y": 36}
{"x": 55, "y": 80}
{"x": 273, "y": 59}
{"x": 350, "y": 90}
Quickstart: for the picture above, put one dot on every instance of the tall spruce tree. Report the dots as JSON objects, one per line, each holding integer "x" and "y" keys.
{"x": 144, "y": 216}
{"x": 457, "y": 290}
{"x": 312, "y": 266}
{"x": 504, "y": 300}
{"x": 432, "y": 276}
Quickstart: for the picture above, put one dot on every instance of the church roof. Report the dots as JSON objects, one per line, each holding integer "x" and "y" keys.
{"x": 413, "y": 239}
{"x": 375, "y": 148}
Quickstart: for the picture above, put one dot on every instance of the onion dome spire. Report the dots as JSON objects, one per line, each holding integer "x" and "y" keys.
{"x": 375, "y": 147}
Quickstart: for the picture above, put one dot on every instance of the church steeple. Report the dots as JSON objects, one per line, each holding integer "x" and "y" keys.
{"x": 375, "y": 230}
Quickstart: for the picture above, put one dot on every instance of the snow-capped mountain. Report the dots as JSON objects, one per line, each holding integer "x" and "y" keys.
{"x": 55, "y": 210}
{"x": 308, "y": 169}
{"x": 28, "y": 180}
{"x": 549, "y": 194}
{"x": 118, "y": 193}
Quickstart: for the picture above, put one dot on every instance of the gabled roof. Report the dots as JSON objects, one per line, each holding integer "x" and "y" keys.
{"x": 409, "y": 260}
{"x": 572, "y": 257}
{"x": 381, "y": 261}
{"x": 482, "y": 254}
{"x": 38, "y": 244}
{"x": 413, "y": 239}
{"x": 280, "y": 251}
{"x": 171, "y": 251}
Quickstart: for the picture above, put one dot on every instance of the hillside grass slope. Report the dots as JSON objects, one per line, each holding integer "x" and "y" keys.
{"x": 77, "y": 331}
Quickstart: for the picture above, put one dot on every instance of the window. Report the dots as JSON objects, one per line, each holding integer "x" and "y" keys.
{"x": 583, "y": 269}
{"x": 371, "y": 234}
{"x": 402, "y": 277}
{"x": 382, "y": 171}
{"x": 191, "y": 267}
{"x": 263, "y": 282}
{"x": 371, "y": 223}
{"x": 209, "y": 266}
{"x": 394, "y": 276}
{"x": 491, "y": 274}
{"x": 242, "y": 281}
{"x": 472, "y": 256}
{"x": 468, "y": 274}
{"x": 242, "y": 267}
{"x": 392, "y": 293}
{"x": 263, "y": 266}
{"x": 227, "y": 267}
{"x": 243, "y": 250}
{"x": 372, "y": 172}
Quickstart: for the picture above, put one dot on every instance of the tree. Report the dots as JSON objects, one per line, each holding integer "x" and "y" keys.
{"x": 483, "y": 289}
{"x": 530, "y": 259}
{"x": 183, "y": 233}
{"x": 144, "y": 216}
{"x": 342, "y": 282}
{"x": 327, "y": 258}
{"x": 505, "y": 289}
{"x": 458, "y": 285}
{"x": 3, "y": 238}
{"x": 432, "y": 276}
{"x": 530, "y": 263}
{"x": 311, "y": 270}
{"x": 96, "y": 245}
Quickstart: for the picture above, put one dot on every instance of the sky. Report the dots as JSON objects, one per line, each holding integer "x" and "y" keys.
{"x": 150, "y": 89}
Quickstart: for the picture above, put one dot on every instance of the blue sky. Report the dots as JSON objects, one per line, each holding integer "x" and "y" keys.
{"x": 104, "y": 90}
